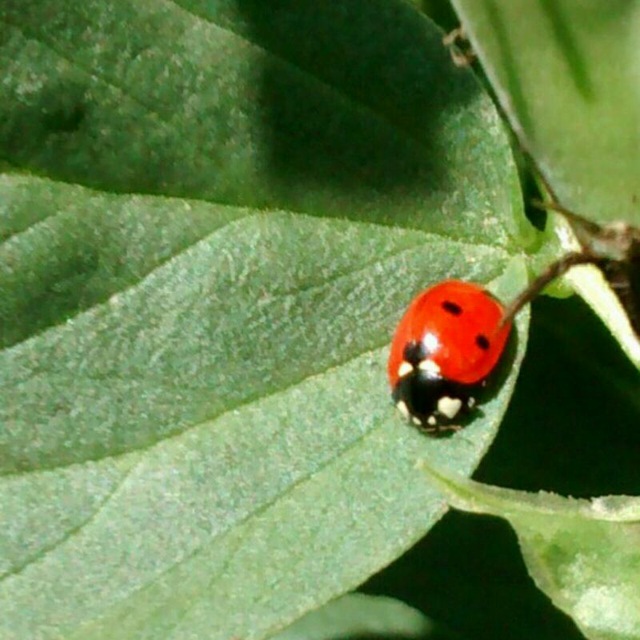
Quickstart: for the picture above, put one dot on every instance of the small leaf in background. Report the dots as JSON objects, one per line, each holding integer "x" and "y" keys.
{"x": 585, "y": 555}
{"x": 566, "y": 74}
{"x": 359, "y": 616}
{"x": 590, "y": 283}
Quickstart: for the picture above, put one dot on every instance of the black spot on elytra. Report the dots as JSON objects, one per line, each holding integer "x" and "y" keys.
{"x": 452, "y": 308}
{"x": 482, "y": 341}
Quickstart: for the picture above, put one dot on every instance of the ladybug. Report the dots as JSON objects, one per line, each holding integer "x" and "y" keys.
{"x": 445, "y": 348}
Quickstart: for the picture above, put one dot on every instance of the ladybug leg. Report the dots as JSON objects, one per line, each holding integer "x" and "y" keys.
{"x": 447, "y": 429}
{"x": 427, "y": 429}
{"x": 438, "y": 430}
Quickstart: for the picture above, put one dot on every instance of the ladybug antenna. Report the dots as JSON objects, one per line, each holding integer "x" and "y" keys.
{"x": 553, "y": 271}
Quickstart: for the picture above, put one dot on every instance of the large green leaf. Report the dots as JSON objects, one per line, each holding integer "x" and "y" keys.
{"x": 212, "y": 429}
{"x": 197, "y": 439}
{"x": 362, "y": 115}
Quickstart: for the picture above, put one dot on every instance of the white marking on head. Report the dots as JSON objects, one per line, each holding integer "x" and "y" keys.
{"x": 404, "y": 369}
{"x": 471, "y": 402}
{"x": 432, "y": 421}
{"x": 431, "y": 342}
{"x": 449, "y": 407}
{"x": 403, "y": 409}
{"x": 429, "y": 366}
{"x": 416, "y": 421}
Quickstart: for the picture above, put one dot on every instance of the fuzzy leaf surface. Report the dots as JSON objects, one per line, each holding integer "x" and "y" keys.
{"x": 196, "y": 299}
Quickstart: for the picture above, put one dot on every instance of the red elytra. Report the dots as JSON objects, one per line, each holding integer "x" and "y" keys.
{"x": 446, "y": 345}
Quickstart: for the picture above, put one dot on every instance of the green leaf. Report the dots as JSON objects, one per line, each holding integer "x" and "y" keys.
{"x": 197, "y": 438}
{"x": 359, "y": 616}
{"x": 216, "y": 419}
{"x": 583, "y": 554}
{"x": 566, "y": 75}
{"x": 590, "y": 284}
{"x": 364, "y": 117}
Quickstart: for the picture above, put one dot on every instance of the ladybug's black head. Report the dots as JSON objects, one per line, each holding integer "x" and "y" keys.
{"x": 431, "y": 402}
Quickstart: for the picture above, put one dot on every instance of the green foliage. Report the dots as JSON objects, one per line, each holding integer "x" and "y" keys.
{"x": 356, "y": 615}
{"x": 584, "y": 554}
{"x": 567, "y": 77}
{"x": 212, "y": 215}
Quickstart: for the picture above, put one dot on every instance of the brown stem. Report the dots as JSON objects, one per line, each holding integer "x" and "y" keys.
{"x": 553, "y": 271}
{"x": 570, "y": 215}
